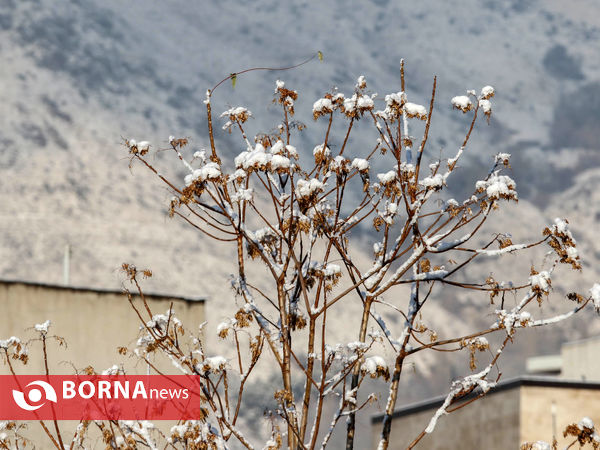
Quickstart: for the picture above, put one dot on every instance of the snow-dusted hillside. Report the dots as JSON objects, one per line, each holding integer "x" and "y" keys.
{"x": 77, "y": 77}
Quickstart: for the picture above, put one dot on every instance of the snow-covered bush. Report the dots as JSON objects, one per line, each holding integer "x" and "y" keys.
{"x": 291, "y": 212}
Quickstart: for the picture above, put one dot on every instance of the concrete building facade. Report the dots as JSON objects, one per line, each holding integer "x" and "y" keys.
{"x": 559, "y": 390}
{"x": 516, "y": 411}
{"x": 94, "y": 323}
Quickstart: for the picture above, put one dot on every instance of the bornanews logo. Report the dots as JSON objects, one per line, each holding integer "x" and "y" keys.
{"x": 34, "y": 396}
{"x": 99, "y": 397}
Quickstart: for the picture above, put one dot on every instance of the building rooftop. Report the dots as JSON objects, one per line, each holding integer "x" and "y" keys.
{"x": 97, "y": 290}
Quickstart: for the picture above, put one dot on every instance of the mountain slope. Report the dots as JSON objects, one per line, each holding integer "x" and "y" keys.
{"x": 78, "y": 77}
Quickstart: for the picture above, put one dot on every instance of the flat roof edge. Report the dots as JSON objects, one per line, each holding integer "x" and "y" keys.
{"x": 580, "y": 341}
{"x": 98, "y": 290}
{"x": 501, "y": 386}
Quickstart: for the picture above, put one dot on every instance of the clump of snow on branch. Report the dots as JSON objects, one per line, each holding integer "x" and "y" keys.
{"x": 435, "y": 182}
{"x": 414, "y": 110}
{"x": 485, "y": 106}
{"x": 503, "y": 158}
{"x": 210, "y": 171}
{"x": 308, "y": 188}
{"x": 462, "y": 102}
{"x": 541, "y": 281}
{"x": 375, "y": 366}
{"x": 360, "y": 164}
{"x": 487, "y": 92}
{"x": 388, "y": 177}
{"x": 321, "y": 107}
{"x": 498, "y": 186}
{"x": 563, "y": 243}
{"x": 586, "y": 422}
{"x": 321, "y": 153}
{"x": 43, "y": 327}
{"x": 214, "y": 364}
{"x": 459, "y": 387}
{"x": 238, "y": 114}
{"x": 595, "y": 293}
{"x": 538, "y": 445}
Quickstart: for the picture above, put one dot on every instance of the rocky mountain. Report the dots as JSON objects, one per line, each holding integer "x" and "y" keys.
{"x": 78, "y": 77}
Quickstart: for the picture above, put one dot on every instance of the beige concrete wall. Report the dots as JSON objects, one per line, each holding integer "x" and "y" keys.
{"x": 93, "y": 324}
{"x": 570, "y": 406}
{"x": 501, "y": 420}
{"x": 580, "y": 360}
{"x": 491, "y": 423}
